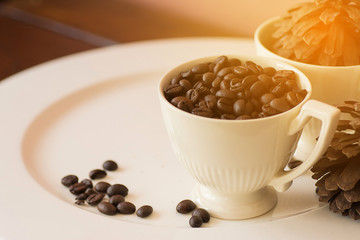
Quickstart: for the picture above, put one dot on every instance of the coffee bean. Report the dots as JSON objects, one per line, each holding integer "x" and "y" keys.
{"x": 117, "y": 189}
{"x": 210, "y": 101}
{"x": 195, "y": 221}
{"x": 185, "y": 206}
{"x": 193, "y": 95}
{"x": 225, "y": 105}
{"x": 243, "y": 117}
{"x": 89, "y": 191}
{"x": 200, "y": 212}
{"x": 82, "y": 196}
{"x": 79, "y": 202}
{"x": 95, "y": 199}
{"x": 208, "y": 78}
{"x": 266, "y": 108}
{"x": 279, "y": 89}
{"x": 225, "y": 93}
{"x": 224, "y": 71}
{"x": 116, "y": 199}
{"x": 126, "y": 208}
{"x": 239, "y": 107}
{"x": 144, "y": 211}
{"x": 107, "y": 208}
{"x": 97, "y": 174}
{"x": 270, "y": 71}
{"x": 201, "y": 68}
{"x": 203, "y": 112}
{"x": 173, "y": 90}
{"x": 267, "y": 97}
{"x": 240, "y": 71}
{"x": 110, "y": 165}
{"x": 69, "y": 180}
{"x": 186, "y": 84}
{"x": 258, "y": 89}
{"x": 280, "y": 104}
{"x": 78, "y": 188}
{"x": 225, "y": 84}
{"x": 185, "y": 105}
{"x": 88, "y": 183}
{"x": 227, "y": 116}
{"x": 102, "y": 187}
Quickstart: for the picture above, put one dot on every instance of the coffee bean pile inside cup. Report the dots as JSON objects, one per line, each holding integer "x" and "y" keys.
{"x": 198, "y": 215}
{"x": 230, "y": 89}
{"x": 109, "y": 198}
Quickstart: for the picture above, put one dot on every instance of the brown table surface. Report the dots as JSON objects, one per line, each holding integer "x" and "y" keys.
{"x": 35, "y": 31}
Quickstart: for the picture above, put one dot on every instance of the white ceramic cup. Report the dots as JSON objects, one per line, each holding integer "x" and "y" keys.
{"x": 331, "y": 84}
{"x": 239, "y": 163}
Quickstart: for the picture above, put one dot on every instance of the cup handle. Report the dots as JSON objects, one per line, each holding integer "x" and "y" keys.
{"x": 329, "y": 117}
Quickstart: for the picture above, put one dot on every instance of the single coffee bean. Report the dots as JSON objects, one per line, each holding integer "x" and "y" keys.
{"x": 69, "y": 180}
{"x": 186, "y": 84}
{"x": 267, "y": 97}
{"x": 195, "y": 221}
{"x": 79, "y": 202}
{"x": 210, "y": 101}
{"x": 225, "y": 105}
{"x": 176, "y": 79}
{"x": 266, "y": 79}
{"x": 90, "y": 191}
{"x": 78, "y": 188}
{"x": 227, "y": 116}
{"x": 95, "y": 199}
{"x": 117, "y": 189}
{"x": 236, "y": 84}
{"x": 185, "y": 206}
{"x": 208, "y": 78}
{"x": 82, "y": 196}
{"x": 234, "y": 61}
{"x": 102, "y": 187}
{"x": 225, "y": 84}
{"x": 291, "y": 98}
{"x": 97, "y": 174}
{"x": 270, "y": 71}
{"x": 173, "y": 90}
{"x": 201, "y": 68}
{"x": 203, "y": 112}
{"x": 185, "y": 105}
{"x": 243, "y": 117}
{"x": 110, "y": 165}
{"x": 225, "y": 93}
{"x": 216, "y": 83}
{"x": 280, "y": 104}
{"x": 240, "y": 71}
{"x": 268, "y": 110}
{"x": 229, "y": 76}
{"x": 144, "y": 211}
{"x": 248, "y": 81}
{"x": 187, "y": 74}
{"x": 88, "y": 183}
{"x": 239, "y": 107}
{"x": 116, "y": 199}
{"x": 257, "y": 89}
{"x": 107, "y": 208}
{"x": 279, "y": 89}
{"x": 200, "y": 212}
{"x": 224, "y": 71}
{"x": 193, "y": 95}
{"x": 126, "y": 208}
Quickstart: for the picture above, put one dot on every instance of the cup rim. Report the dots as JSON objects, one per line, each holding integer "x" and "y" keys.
{"x": 259, "y": 42}
{"x": 272, "y": 62}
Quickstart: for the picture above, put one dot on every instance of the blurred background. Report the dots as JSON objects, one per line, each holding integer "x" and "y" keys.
{"x": 35, "y": 31}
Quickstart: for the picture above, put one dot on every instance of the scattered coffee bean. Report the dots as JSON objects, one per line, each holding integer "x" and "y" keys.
{"x": 185, "y": 206}
{"x": 227, "y": 83}
{"x": 69, "y": 180}
{"x": 110, "y": 165}
{"x": 79, "y": 202}
{"x": 82, "y": 196}
{"x": 78, "y": 188}
{"x": 126, "y": 208}
{"x": 144, "y": 211}
{"x": 95, "y": 199}
{"x": 117, "y": 189}
{"x": 195, "y": 221}
{"x": 88, "y": 183}
{"x": 116, "y": 199}
{"x": 90, "y": 191}
{"x": 97, "y": 174}
{"x": 200, "y": 212}
{"x": 102, "y": 187}
{"x": 107, "y": 208}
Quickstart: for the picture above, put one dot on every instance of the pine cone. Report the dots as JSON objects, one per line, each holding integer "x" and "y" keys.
{"x": 338, "y": 171}
{"x": 323, "y": 32}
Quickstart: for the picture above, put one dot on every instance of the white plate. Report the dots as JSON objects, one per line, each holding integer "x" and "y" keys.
{"x": 69, "y": 115}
